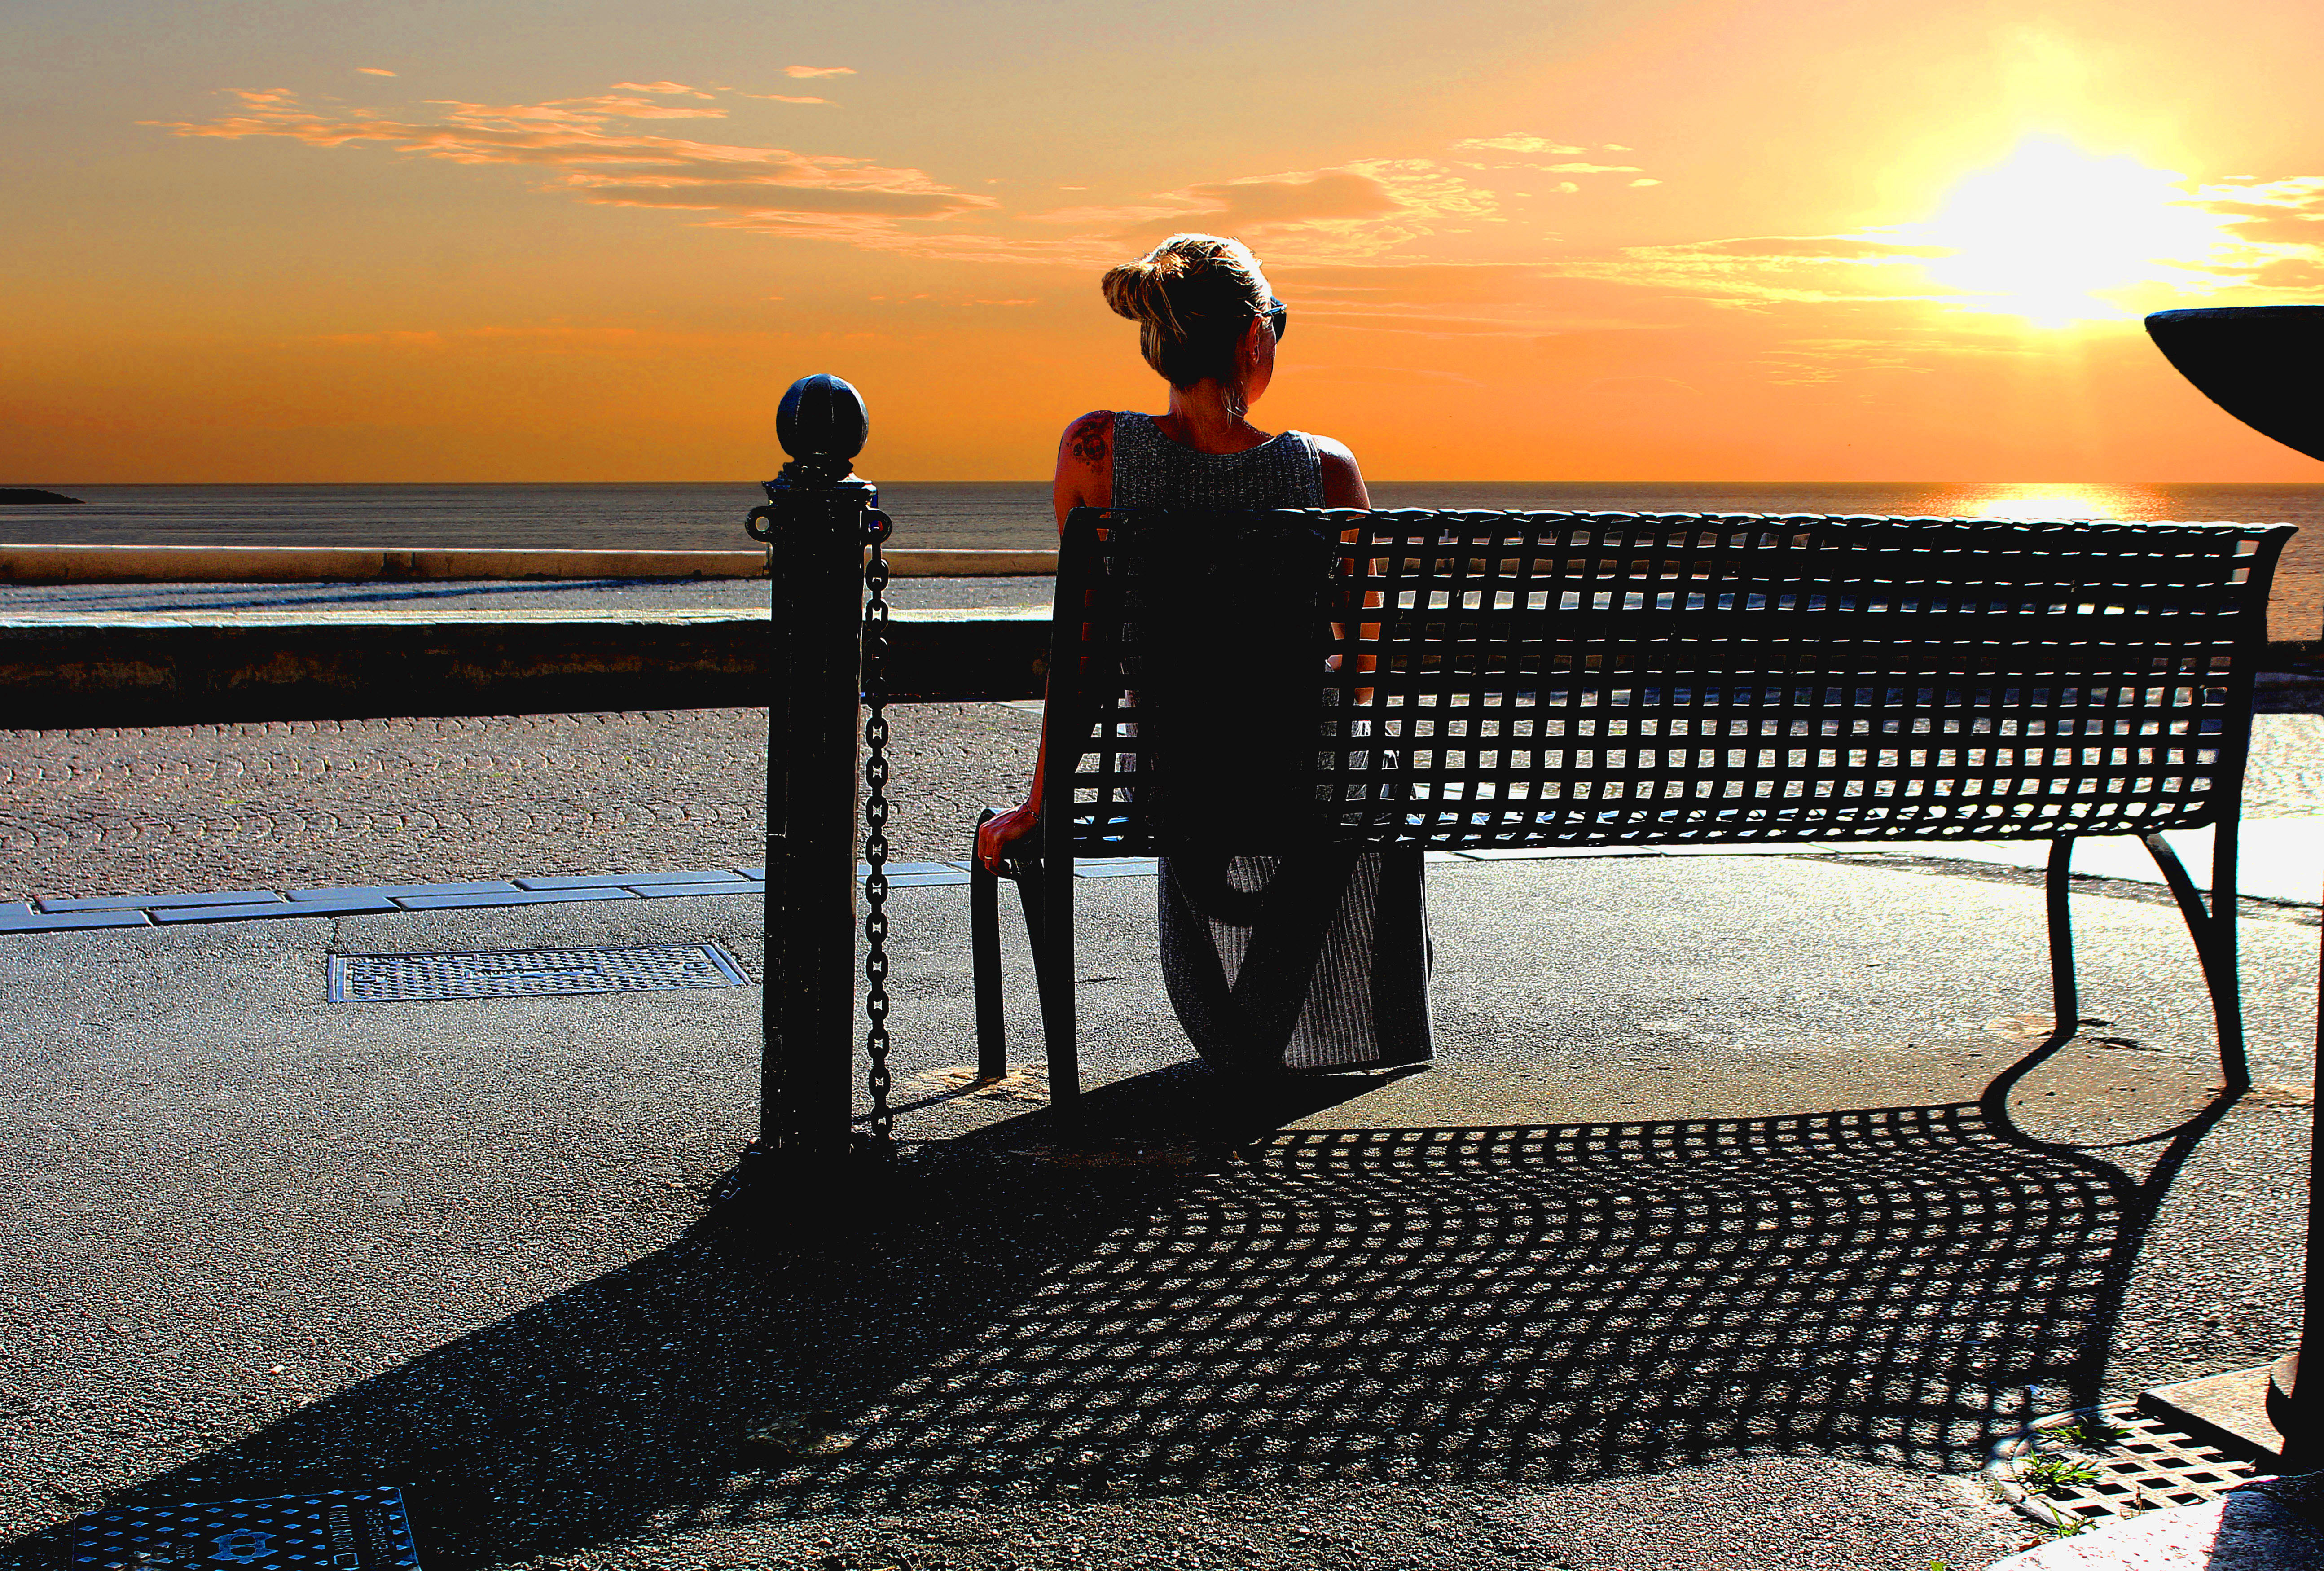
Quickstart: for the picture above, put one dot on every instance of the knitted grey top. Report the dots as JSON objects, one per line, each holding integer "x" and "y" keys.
{"x": 1150, "y": 470}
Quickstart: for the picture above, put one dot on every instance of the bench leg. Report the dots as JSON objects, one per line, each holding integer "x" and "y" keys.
{"x": 2065, "y": 997}
{"x": 984, "y": 963}
{"x": 1053, "y": 948}
{"x": 2212, "y": 926}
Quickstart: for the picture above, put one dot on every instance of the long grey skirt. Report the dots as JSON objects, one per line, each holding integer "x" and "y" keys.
{"x": 1318, "y": 960}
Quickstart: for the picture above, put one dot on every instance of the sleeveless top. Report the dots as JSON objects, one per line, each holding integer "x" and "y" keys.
{"x": 1150, "y": 470}
{"x": 1314, "y": 961}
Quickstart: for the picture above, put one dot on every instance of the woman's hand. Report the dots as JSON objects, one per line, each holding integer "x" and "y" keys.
{"x": 996, "y": 835}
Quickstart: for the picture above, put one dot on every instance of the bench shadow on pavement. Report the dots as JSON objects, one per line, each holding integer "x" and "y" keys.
{"x": 1245, "y": 1306}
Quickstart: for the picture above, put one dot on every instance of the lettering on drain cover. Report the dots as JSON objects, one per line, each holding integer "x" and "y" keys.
{"x": 503, "y": 973}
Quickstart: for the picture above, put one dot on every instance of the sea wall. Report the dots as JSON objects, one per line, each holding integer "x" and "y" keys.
{"x": 49, "y": 564}
{"x": 60, "y": 672}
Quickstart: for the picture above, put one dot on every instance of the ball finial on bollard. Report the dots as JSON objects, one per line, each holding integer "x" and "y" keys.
{"x": 822, "y": 425}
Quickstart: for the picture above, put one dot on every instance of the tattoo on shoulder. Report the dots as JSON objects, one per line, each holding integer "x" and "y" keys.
{"x": 1089, "y": 438}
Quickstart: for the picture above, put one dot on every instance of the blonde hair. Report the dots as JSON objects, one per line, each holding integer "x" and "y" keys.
{"x": 1191, "y": 297}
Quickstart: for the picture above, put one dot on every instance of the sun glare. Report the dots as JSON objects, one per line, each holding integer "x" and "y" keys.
{"x": 2048, "y": 234}
{"x": 2037, "y": 501}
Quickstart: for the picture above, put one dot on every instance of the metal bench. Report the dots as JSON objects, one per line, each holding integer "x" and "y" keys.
{"x": 1555, "y": 679}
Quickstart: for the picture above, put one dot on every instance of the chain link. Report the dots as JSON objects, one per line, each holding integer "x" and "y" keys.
{"x": 877, "y": 528}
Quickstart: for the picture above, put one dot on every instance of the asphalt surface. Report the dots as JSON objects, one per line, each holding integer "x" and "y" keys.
{"x": 1734, "y": 1220}
{"x": 176, "y": 809}
{"x": 1732, "y": 1224}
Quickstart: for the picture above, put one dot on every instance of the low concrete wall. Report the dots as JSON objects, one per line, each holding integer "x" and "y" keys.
{"x": 40, "y": 565}
{"x": 75, "y": 672}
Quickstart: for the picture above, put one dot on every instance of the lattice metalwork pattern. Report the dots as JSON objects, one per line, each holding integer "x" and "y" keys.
{"x": 2120, "y": 1461}
{"x": 1521, "y": 1303}
{"x": 1516, "y": 679}
{"x": 528, "y": 973}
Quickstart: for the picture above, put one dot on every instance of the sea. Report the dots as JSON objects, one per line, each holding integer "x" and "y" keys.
{"x": 708, "y": 514}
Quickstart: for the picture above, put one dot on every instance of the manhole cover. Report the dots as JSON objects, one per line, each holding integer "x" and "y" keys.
{"x": 508, "y": 973}
{"x": 2096, "y": 1463}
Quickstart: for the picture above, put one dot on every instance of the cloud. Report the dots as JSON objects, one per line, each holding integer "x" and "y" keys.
{"x": 1518, "y": 143}
{"x": 1116, "y": 219}
{"x": 1362, "y": 207}
{"x": 764, "y": 195}
{"x": 819, "y": 71}
{"x": 616, "y": 105}
{"x": 587, "y": 150}
{"x": 1770, "y": 268}
{"x": 1522, "y": 301}
{"x": 2288, "y": 212}
{"x": 374, "y": 71}
{"x": 1267, "y": 202}
{"x": 1535, "y": 152}
{"x": 1804, "y": 248}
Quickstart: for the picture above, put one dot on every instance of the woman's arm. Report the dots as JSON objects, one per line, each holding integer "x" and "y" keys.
{"x": 1343, "y": 482}
{"x": 1343, "y": 487}
{"x": 1086, "y": 464}
{"x": 1085, "y": 479}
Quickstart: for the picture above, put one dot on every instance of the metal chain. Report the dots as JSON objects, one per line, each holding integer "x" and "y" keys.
{"x": 877, "y": 528}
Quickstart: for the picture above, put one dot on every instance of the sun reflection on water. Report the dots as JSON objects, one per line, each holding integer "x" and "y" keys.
{"x": 2037, "y": 501}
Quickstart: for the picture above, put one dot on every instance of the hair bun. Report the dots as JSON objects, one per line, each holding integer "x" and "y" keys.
{"x": 1191, "y": 296}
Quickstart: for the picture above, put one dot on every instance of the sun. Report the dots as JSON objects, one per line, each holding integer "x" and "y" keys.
{"x": 2052, "y": 231}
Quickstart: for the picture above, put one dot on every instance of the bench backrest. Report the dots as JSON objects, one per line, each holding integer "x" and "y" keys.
{"x": 1575, "y": 679}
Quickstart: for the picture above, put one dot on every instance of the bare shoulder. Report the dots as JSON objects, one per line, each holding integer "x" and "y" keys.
{"x": 1086, "y": 464}
{"x": 1088, "y": 440}
{"x": 1343, "y": 479}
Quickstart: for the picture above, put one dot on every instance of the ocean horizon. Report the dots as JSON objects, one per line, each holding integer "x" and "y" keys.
{"x": 703, "y": 515}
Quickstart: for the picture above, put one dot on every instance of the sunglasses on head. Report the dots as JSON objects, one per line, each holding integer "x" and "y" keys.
{"x": 1277, "y": 315}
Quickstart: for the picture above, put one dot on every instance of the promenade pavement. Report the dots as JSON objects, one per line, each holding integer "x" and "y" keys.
{"x": 1737, "y": 1217}
{"x": 1731, "y": 1224}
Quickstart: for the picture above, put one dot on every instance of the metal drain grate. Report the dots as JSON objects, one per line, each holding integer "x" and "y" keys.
{"x": 505, "y": 973}
{"x": 2139, "y": 1464}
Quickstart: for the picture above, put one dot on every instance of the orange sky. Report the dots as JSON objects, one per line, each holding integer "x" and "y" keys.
{"x": 1605, "y": 239}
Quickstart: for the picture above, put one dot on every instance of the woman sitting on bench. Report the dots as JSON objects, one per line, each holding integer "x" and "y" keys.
{"x": 1317, "y": 960}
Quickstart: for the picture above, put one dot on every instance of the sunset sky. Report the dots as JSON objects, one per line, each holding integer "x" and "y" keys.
{"x": 1601, "y": 239}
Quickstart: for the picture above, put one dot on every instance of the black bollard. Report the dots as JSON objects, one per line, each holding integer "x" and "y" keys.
{"x": 814, "y": 522}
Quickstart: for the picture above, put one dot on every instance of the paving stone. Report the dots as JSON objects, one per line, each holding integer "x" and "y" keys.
{"x": 621, "y": 880}
{"x": 926, "y": 880}
{"x": 132, "y": 902}
{"x": 662, "y": 891}
{"x": 521, "y": 898}
{"x": 72, "y": 921}
{"x": 388, "y": 891}
{"x": 352, "y": 905}
{"x": 1126, "y": 867}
